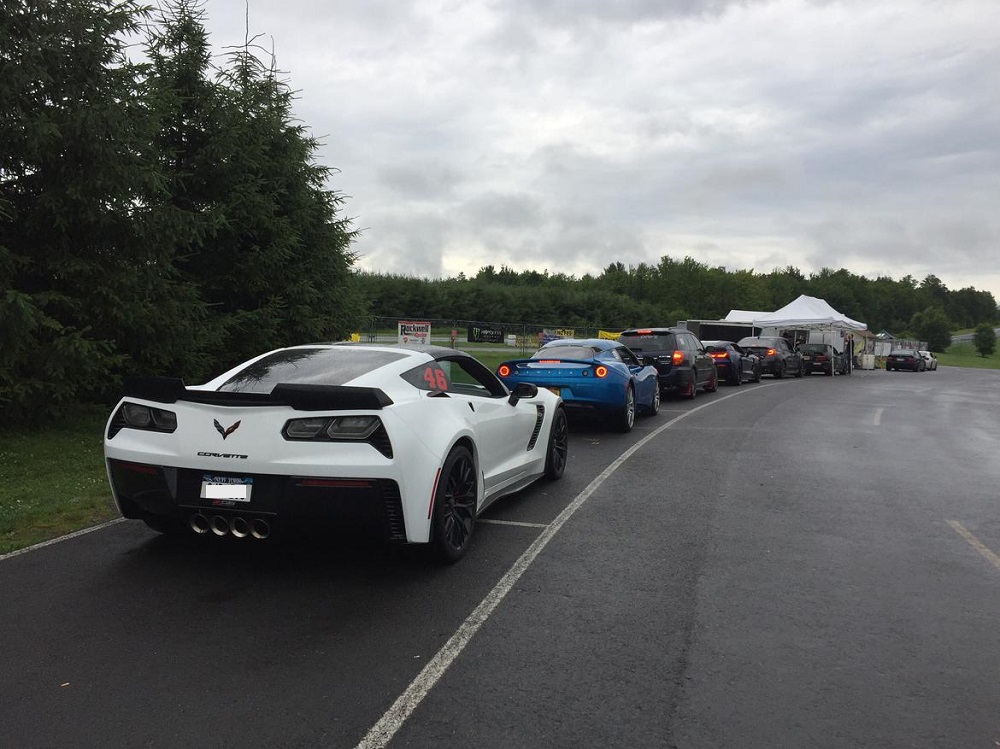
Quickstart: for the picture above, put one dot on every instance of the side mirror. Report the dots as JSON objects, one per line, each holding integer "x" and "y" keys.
{"x": 522, "y": 390}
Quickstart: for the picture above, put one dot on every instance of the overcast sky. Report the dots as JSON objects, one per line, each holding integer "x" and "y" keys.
{"x": 564, "y": 135}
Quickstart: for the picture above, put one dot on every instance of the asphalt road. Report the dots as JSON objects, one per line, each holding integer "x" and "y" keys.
{"x": 810, "y": 562}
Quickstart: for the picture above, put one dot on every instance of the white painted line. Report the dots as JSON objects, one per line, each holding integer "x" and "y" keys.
{"x": 511, "y": 522}
{"x": 975, "y": 543}
{"x": 390, "y": 723}
{"x": 878, "y": 416}
{"x": 51, "y": 541}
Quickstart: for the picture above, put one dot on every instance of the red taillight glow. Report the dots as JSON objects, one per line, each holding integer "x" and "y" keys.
{"x": 548, "y": 361}
{"x": 771, "y": 352}
{"x": 601, "y": 371}
{"x": 719, "y": 355}
{"x": 504, "y": 370}
{"x": 644, "y": 331}
{"x": 677, "y": 357}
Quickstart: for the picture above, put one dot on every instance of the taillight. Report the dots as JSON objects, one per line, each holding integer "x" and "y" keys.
{"x": 601, "y": 371}
{"x": 719, "y": 355}
{"x": 677, "y": 357}
{"x": 503, "y": 370}
{"x": 771, "y": 352}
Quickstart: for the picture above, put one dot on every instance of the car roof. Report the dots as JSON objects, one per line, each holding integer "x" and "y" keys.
{"x": 719, "y": 343}
{"x": 403, "y": 359}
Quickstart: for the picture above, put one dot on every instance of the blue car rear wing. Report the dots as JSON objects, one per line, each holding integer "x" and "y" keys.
{"x": 299, "y": 397}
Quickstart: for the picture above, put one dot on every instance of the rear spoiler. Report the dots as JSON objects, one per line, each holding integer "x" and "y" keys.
{"x": 555, "y": 359}
{"x": 299, "y": 397}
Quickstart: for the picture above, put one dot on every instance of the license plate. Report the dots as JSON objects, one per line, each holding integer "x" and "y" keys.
{"x": 557, "y": 391}
{"x": 226, "y": 488}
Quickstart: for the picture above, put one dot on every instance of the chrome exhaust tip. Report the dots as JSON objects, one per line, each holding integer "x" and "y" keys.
{"x": 260, "y": 529}
{"x": 239, "y": 527}
{"x": 199, "y": 523}
{"x": 219, "y": 525}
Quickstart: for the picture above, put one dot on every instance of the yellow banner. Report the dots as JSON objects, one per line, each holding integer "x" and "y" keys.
{"x": 607, "y": 335}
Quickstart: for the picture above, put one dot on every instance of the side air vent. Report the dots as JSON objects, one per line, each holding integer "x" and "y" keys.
{"x": 538, "y": 425}
{"x": 395, "y": 526}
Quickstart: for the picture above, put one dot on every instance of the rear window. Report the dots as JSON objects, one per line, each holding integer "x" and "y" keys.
{"x": 813, "y": 348}
{"x": 649, "y": 341}
{"x": 757, "y": 342}
{"x": 308, "y": 366}
{"x": 565, "y": 352}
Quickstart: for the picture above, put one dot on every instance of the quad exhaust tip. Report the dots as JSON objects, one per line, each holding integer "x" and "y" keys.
{"x": 238, "y": 526}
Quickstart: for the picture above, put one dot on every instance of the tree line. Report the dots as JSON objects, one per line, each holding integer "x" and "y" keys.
{"x": 645, "y": 294}
{"x": 159, "y": 212}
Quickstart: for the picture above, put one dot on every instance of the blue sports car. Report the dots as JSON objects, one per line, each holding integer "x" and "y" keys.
{"x": 592, "y": 374}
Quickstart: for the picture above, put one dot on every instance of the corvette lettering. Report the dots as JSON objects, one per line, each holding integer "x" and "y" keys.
{"x": 223, "y": 455}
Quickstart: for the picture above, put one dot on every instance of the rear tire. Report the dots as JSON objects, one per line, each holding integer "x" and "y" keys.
{"x": 692, "y": 391}
{"x": 713, "y": 383}
{"x": 654, "y": 407}
{"x": 455, "y": 506}
{"x": 558, "y": 449}
{"x": 626, "y": 417}
{"x": 779, "y": 371}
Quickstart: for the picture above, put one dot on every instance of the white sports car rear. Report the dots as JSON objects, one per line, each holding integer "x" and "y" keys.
{"x": 412, "y": 443}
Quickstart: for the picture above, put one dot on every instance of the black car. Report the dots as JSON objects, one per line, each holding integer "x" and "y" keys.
{"x": 681, "y": 361}
{"x": 733, "y": 364}
{"x": 777, "y": 357}
{"x": 822, "y": 357}
{"x": 905, "y": 358}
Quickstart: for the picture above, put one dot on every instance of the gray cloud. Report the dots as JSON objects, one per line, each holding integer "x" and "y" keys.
{"x": 564, "y": 136}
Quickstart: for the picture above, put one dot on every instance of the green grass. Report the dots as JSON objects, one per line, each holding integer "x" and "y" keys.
{"x": 964, "y": 355}
{"x": 52, "y": 480}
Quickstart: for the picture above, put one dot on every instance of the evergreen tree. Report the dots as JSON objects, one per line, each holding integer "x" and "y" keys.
{"x": 78, "y": 201}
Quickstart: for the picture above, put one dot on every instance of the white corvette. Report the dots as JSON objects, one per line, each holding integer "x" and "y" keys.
{"x": 412, "y": 443}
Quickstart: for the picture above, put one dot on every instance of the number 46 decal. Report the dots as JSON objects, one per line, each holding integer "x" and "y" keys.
{"x": 436, "y": 378}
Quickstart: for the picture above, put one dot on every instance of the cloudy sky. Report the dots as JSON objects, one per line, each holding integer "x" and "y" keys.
{"x": 563, "y": 135}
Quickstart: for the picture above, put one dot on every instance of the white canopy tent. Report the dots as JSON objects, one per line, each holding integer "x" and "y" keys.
{"x": 807, "y": 313}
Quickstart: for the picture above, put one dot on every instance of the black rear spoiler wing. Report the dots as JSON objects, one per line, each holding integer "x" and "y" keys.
{"x": 299, "y": 397}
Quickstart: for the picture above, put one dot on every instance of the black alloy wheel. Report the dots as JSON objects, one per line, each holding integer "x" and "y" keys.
{"x": 455, "y": 505}
{"x": 558, "y": 450}
{"x": 626, "y": 417}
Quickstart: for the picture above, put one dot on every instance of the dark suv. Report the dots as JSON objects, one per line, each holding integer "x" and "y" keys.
{"x": 822, "y": 357}
{"x": 681, "y": 361}
{"x": 777, "y": 357}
